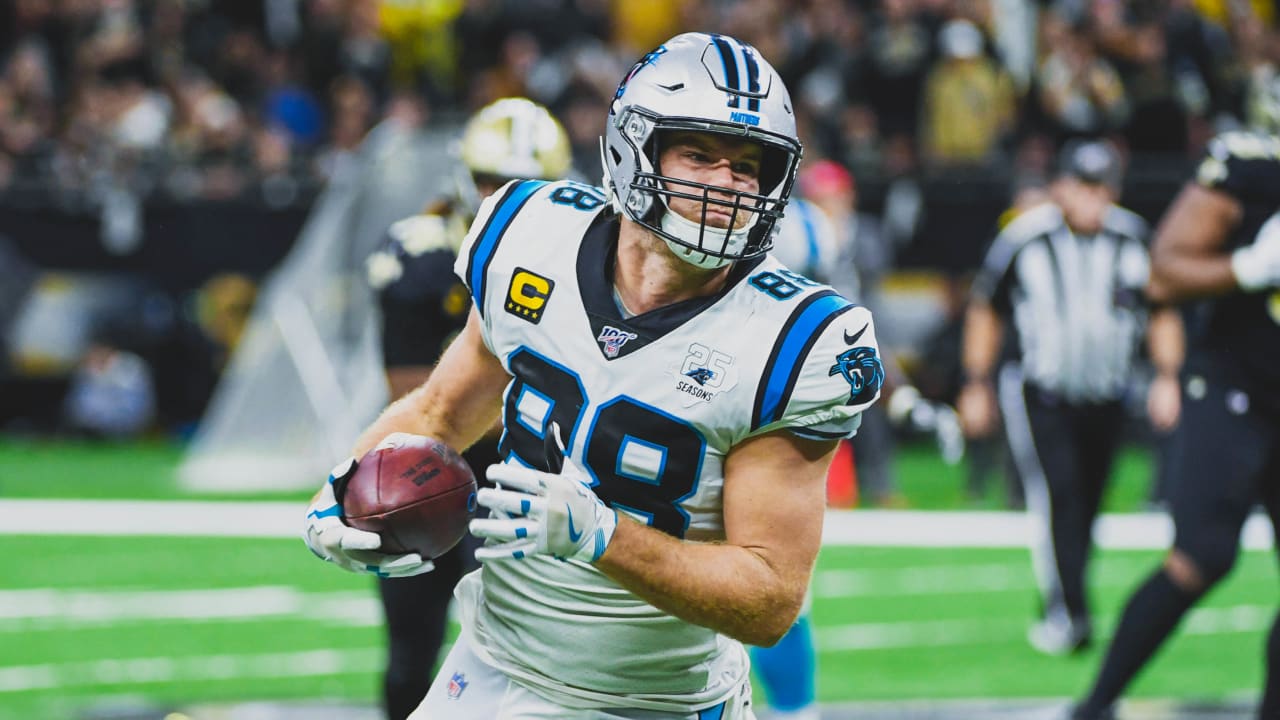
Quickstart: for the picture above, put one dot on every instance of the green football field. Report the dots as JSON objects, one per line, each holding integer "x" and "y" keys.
{"x": 163, "y": 622}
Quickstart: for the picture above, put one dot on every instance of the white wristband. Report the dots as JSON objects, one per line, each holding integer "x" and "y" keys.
{"x": 1251, "y": 273}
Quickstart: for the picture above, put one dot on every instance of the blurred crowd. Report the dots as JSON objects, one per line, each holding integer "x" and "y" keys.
{"x": 117, "y": 102}
{"x": 216, "y": 98}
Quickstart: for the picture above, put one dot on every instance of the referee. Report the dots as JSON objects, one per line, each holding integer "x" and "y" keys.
{"x": 1067, "y": 277}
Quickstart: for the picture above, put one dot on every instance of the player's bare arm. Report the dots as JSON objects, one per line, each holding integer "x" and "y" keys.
{"x": 983, "y": 330}
{"x": 751, "y": 586}
{"x": 1186, "y": 256}
{"x": 1166, "y": 345}
{"x": 459, "y": 402}
{"x": 403, "y": 378}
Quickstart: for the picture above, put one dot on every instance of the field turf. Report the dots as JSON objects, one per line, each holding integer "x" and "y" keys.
{"x": 162, "y": 622}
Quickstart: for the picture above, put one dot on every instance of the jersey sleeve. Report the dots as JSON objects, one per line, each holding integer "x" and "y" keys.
{"x": 823, "y": 371}
{"x": 482, "y": 241}
{"x": 1244, "y": 165}
{"x": 421, "y": 304}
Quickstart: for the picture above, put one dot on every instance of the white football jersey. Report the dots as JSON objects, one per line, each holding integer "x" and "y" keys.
{"x": 649, "y": 407}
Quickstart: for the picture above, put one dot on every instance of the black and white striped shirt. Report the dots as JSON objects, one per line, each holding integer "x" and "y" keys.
{"x": 1075, "y": 301}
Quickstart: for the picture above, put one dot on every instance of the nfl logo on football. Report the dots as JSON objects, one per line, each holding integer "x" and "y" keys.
{"x": 457, "y": 684}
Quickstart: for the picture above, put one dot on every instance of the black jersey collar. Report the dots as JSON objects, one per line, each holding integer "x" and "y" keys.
{"x": 617, "y": 337}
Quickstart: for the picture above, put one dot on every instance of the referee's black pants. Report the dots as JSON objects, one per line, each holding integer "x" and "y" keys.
{"x": 1064, "y": 452}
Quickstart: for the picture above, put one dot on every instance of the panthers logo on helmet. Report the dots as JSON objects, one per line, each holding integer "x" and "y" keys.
{"x": 648, "y": 59}
{"x": 860, "y": 366}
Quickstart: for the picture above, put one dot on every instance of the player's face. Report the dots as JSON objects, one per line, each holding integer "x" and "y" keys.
{"x": 715, "y": 160}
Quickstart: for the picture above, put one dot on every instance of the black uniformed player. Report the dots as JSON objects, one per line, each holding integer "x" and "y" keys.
{"x": 1067, "y": 277}
{"x": 1219, "y": 244}
{"x": 423, "y": 306}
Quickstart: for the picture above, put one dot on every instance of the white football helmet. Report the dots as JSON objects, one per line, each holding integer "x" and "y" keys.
{"x": 510, "y": 139}
{"x": 703, "y": 83}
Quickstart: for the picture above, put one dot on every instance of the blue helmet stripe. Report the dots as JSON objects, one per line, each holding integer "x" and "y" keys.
{"x": 753, "y": 78}
{"x": 494, "y": 228}
{"x": 730, "y": 64}
{"x": 789, "y": 352}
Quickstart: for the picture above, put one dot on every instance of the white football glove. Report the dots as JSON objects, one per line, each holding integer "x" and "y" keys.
{"x": 1257, "y": 266}
{"x": 908, "y": 409}
{"x": 539, "y": 512}
{"x": 333, "y": 540}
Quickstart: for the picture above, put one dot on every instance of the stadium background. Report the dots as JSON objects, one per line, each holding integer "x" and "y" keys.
{"x": 163, "y": 164}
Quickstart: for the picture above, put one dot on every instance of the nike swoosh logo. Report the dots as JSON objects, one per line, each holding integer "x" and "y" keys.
{"x": 671, "y": 88}
{"x": 851, "y": 340}
{"x": 573, "y": 536}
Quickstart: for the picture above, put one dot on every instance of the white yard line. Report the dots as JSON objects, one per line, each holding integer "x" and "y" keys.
{"x": 922, "y": 580}
{"x": 62, "y": 609}
{"x": 963, "y": 579}
{"x": 160, "y": 669}
{"x": 915, "y": 528}
{"x": 975, "y": 631}
{"x": 176, "y": 518}
{"x": 201, "y": 668}
{"x": 275, "y": 519}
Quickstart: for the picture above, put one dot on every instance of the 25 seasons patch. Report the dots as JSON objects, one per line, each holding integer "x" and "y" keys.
{"x": 527, "y": 294}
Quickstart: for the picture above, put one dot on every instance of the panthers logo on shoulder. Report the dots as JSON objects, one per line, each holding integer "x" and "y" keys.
{"x": 701, "y": 375}
{"x": 861, "y": 368}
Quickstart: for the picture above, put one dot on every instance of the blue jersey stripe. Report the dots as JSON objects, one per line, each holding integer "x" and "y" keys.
{"x": 484, "y": 248}
{"x": 810, "y": 236}
{"x": 789, "y": 352}
{"x": 713, "y": 713}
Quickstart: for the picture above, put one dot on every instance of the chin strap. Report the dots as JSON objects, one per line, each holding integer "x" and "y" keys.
{"x": 689, "y": 231}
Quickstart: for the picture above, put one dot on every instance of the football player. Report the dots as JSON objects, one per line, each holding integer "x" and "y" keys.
{"x": 1217, "y": 246}
{"x": 670, "y": 397}
{"x": 423, "y": 307}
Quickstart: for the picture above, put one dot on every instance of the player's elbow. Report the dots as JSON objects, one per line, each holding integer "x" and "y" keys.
{"x": 1162, "y": 286}
{"x": 768, "y": 632}
{"x": 770, "y": 626}
{"x": 1158, "y": 291}
{"x": 767, "y": 637}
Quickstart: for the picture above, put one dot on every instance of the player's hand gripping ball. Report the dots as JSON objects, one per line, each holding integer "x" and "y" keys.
{"x": 408, "y": 500}
{"x": 417, "y": 493}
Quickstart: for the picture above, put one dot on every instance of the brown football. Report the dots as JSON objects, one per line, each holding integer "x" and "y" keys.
{"x": 414, "y": 491}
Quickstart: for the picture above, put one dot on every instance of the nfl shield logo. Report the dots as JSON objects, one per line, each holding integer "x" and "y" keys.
{"x": 613, "y": 340}
{"x": 457, "y": 684}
